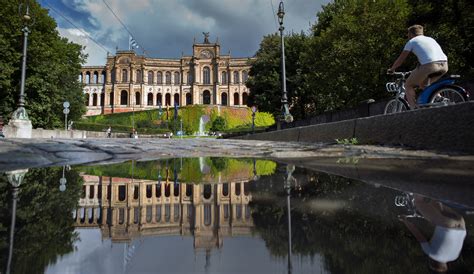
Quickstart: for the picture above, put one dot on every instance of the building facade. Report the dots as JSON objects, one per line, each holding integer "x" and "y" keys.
{"x": 130, "y": 82}
{"x": 125, "y": 209}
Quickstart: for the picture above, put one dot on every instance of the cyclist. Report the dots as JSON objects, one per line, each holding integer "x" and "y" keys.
{"x": 433, "y": 62}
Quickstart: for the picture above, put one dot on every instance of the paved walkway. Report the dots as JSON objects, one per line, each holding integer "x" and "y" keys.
{"x": 27, "y": 153}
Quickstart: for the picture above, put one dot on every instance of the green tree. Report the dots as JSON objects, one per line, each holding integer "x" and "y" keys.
{"x": 350, "y": 50}
{"x": 451, "y": 24}
{"x": 265, "y": 82}
{"x": 53, "y": 66}
{"x": 44, "y": 228}
{"x": 218, "y": 124}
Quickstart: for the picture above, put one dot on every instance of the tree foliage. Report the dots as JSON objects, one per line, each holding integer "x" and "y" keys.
{"x": 44, "y": 228}
{"x": 53, "y": 66}
{"x": 343, "y": 60}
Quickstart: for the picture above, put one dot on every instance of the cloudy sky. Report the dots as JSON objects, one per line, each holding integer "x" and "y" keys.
{"x": 166, "y": 28}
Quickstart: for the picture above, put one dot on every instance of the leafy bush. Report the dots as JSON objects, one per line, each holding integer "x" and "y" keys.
{"x": 218, "y": 124}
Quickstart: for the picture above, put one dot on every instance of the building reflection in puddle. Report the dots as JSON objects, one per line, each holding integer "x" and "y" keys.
{"x": 175, "y": 214}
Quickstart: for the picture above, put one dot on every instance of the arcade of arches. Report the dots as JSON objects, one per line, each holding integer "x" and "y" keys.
{"x": 132, "y": 82}
{"x": 125, "y": 208}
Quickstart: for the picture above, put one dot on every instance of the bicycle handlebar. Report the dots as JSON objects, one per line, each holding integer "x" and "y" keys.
{"x": 399, "y": 73}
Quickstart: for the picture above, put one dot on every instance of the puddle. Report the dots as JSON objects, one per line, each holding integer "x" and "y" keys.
{"x": 224, "y": 215}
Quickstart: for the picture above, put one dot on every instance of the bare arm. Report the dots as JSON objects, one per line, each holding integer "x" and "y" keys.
{"x": 401, "y": 58}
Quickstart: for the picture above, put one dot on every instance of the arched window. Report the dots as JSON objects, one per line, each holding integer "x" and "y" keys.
{"x": 94, "y": 99}
{"x": 246, "y": 189}
{"x": 206, "y": 76}
{"x": 168, "y": 99}
{"x": 159, "y": 99}
{"x": 137, "y": 98}
{"x": 121, "y": 216}
{"x": 226, "y": 211}
{"x": 158, "y": 190}
{"x": 111, "y": 98}
{"x": 190, "y": 78}
{"x": 150, "y": 77}
{"x": 237, "y": 189}
{"x": 88, "y": 77}
{"x": 207, "y": 215}
{"x": 207, "y": 192}
{"x": 244, "y": 98}
{"x": 189, "y": 98}
{"x": 103, "y": 77}
{"x": 236, "y": 99}
{"x": 168, "y": 78}
{"x": 176, "y": 212}
{"x": 139, "y": 76}
{"x": 123, "y": 97}
{"x": 167, "y": 190}
{"x": 236, "y": 77}
{"x": 121, "y": 192}
{"x": 245, "y": 76}
{"x": 150, "y": 99}
{"x": 96, "y": 77}
{"x": 238, "y": 211}
{"x": 206, "y": 97}
{"x": 148, "y": 212}
{"x": 87, "y": 98}
{"x": 224, "y": 77}
{"x": 149, "y": 191}
{"x": 136, "y": 215}
{"x": 224, "y": 98}
{"x": 80, "y": 78}
{"x": 176, "y": 189}
{"x": 177, "y": 78}
{"x": 225, "y": 189}
{"x": 159, "y": 78}
{"x": 114, "y": 75}
{"x": 158, "y": 213}
{"x": 102, "y": 97}
{"x": 189, "y": 190}
{"x": 124, "y": 76}
{"x": 167, "y": 211}
{"x": 176, "y": 99}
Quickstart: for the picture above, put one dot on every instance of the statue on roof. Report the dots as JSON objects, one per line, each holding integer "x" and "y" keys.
{"x": 206, "y": 37}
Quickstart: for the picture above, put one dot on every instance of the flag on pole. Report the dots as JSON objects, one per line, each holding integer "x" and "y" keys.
{"x": 132, "y": 44}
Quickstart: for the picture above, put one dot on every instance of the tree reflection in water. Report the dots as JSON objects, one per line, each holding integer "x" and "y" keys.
{"x": 352, "y": 225}
{"x": 44, "y": 224}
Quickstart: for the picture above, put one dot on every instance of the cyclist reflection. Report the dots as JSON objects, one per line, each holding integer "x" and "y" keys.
{"x": 446, "y": 242}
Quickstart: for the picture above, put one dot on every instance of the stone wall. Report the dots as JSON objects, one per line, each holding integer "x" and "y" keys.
{"x": 449, "y": 128}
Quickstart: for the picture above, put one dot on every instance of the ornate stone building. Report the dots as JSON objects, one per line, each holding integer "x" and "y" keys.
{"x": 125, "y": 209}
{"x": 133, "y": 82}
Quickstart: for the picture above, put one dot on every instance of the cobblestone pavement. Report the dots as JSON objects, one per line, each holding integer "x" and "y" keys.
{"x": 27, "y": 153}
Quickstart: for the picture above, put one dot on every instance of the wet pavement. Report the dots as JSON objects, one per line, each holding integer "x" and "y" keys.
{"x": 231, "y": 206}
{"x": 26, "y": 153}
{"x": 341, "y": 214}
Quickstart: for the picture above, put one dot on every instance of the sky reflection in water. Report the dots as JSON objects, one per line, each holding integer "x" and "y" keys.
{"x": 222, "y": 215}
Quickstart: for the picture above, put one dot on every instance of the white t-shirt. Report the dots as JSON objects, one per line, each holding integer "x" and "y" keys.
{"x": 445, "y": 245}
{"x": 426, "y": 49}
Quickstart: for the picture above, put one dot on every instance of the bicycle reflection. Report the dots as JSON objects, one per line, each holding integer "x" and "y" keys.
{"x": 445, "y": 243}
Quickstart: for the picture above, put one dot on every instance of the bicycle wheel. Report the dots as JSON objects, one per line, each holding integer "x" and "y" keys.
{"x": 448, "y": 95}
{"x": 395, "y": 105}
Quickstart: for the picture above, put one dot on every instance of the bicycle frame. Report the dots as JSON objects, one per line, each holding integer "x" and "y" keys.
{"x": 426, "y": 94}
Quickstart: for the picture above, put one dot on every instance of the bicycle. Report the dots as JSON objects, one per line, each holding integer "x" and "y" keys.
{"x": 441, "y": 93}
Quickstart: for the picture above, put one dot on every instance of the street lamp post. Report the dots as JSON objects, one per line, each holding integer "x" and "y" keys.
{"x": 20, "y": 124}
{"x": 66, "y": 112}
{"x": 254, "y": 110}
{"x": 284, "y": 99}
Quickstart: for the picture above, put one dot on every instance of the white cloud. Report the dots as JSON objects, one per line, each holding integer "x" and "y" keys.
{"x": 96, "y": 54}
{"x": 165, "y": 28}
